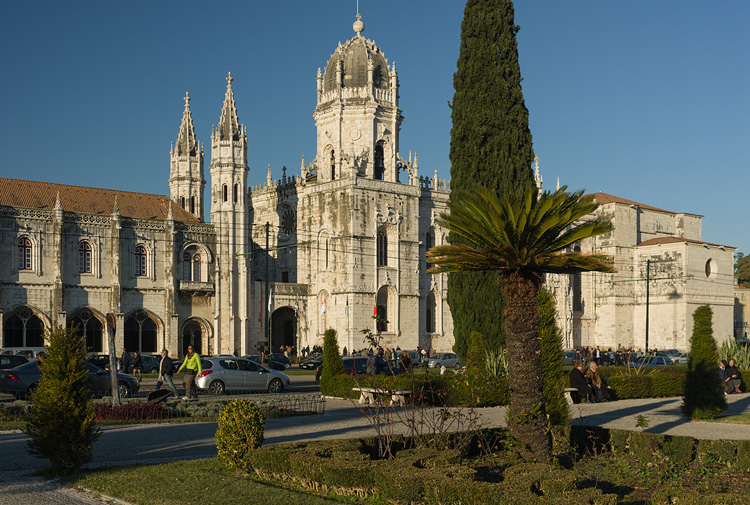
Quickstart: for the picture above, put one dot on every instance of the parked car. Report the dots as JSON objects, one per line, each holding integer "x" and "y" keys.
{"x": 150, "y": 364}
{"x": 447, "y": 359}
{"x": 653, "y": 361}
{"x": 12, "y": 360}
{"x": 312, "y": 363}
{"x": 28, "y": 352}
{"x": 569, "y": 358}
{"x": 280, "y": 358}
{"x": 102, "y": 361}
{"x": 221, "y": 374}
{"x": 273, "y": 365}
{"x": 22, "y": 380}
{"x": 353, "y": 365}
{"x": 680, "y": 359}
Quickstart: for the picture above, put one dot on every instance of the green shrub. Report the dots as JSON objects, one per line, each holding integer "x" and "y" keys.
{"x": 678, "y": 449}
{"x": 722, "y": 451}
{"x": 704, "y": 391}
{"x": 629, "y": 386}
{"x": 666, "y": 384}
{"x": 239, "y": 433}
{"x": 333, "y": 365}
{"x": 62, "y": 425}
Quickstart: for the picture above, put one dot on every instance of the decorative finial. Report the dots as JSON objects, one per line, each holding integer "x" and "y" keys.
{"x": 358, "y": 25}
{"x": 170, "y": 215}
{"x": 58, "y": 202}
{"x": 116, "y": 207}
{"x": 187, "y": 101}
{"x": 229, "y": 80}
{"x": 269, "y": 177}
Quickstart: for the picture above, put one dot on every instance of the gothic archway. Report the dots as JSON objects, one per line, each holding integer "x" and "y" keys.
{"x": 23, "y": 329}
{"x": 283, "y": 328}
{"x": 140, "y": 332}
{"x": 192, "y": 334}
{"x": 90, "y": 326}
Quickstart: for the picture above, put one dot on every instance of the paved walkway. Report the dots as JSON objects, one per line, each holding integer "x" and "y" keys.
{"x": 342, "y": 419}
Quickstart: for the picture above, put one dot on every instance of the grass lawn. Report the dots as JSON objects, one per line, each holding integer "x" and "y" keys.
{"x": 196, "y": 482}
{"x": 735, "y": 419}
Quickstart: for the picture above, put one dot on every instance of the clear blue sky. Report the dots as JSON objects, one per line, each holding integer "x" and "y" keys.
{"x": 647, "y": 100}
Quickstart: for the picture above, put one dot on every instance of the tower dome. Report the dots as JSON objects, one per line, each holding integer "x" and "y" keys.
{"x": 352, "y": 60}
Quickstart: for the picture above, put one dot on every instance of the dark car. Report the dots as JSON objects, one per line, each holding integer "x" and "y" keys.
{"x": 12, "y": 360}
{"x": 280, "y": 358}
{"x": 102, "y": 361}
{"x": 352, "y": 366}
{"x": 150, "y": 364}
{"x": 22, "y": 380}
{"x": 272, "y": 364}
{"x": 312, "y": 363}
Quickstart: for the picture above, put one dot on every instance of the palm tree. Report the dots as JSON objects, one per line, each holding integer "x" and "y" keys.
{"x": 522, "y": 238}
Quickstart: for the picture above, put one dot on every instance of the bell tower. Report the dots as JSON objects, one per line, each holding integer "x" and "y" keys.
{"x": 357, "y": 115}
{"x": 186, "y": 182}
{"x": 229, "y": 214}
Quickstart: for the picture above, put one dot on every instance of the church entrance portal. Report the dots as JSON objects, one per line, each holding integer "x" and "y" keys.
{"x": 283, "y": 328}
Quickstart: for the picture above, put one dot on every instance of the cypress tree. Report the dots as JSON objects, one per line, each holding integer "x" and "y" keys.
{"x": 704, "y": 391}
{"x": 332, "y": 362}
{"x": 490, "y": 145}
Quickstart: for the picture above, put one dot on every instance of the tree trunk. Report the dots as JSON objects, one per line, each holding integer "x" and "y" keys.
{"x": 528, "y": 421}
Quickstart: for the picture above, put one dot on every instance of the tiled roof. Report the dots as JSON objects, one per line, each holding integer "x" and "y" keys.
{"x": 79, "y": 199}
{"x": 675, "y": 240}
{"x": 602, "y": 198}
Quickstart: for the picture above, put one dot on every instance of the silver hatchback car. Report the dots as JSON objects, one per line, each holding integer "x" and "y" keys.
{"x": 227, "y": 373}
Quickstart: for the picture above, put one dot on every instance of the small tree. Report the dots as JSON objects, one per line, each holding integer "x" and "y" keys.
{"x": 704, "y": 392}
{"x": 552, "y": 367}
{"x": 61, "y": 425}
{"x": 332, "y": 362}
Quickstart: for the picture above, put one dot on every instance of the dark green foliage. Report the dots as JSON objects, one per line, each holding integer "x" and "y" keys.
{"x": 704, "y": 391}
{"x": 553, "y": 375}
{"x": 239, "y": 434}
{"x": 476, "y": 355}
{"x": 490, "y": 145}
{"x": 333, "y": 365}
{"x": 742, "y": 269}
{"x": 62, "y": 425}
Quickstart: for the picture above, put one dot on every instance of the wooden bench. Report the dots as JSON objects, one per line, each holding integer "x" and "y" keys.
{"x": 569, "y": 394}
{"x": 368, "y": 395}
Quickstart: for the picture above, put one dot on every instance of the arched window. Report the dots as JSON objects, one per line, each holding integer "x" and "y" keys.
{"x": 235, "y": 193}
{"x": 192, "y": 205}
{"x": 182, "y": 202}
{"x": 84, "y": 258}
{"x": 429, "y": 243}
{"x": 430, "y": 313}
{"x": 24, "y": 253}
{"x": 381, "y": 308}
{"x": 91, "y": 327}
{"x": 191, "y": 265}
{"x": 379, "y": 162}
{"x": 224, "y": 189}
{"x": 382, "y": 247}
{"x": 23, "y": 329}
{"x": 140, "y": 333}
{"x": 140, "y": 260}
{"x": 333, "y": 164}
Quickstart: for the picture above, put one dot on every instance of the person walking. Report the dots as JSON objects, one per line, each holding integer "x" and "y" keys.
{"x": 165, "y": 373}
{"x": 138, "y": 366}
{"x": 125, "y": 361}
{"x": 192, "y": 366}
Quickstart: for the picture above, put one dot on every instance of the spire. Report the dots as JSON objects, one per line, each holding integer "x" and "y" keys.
{"x": 170, "y": 214}
{"x": 269, "y": 177}
{"x": 58, "y": 202}
{"x": 229, "y": 124}
{"x": 358, "y": 25}
{"x": 116, "y": 207}
{"x": 186, "y": 142}
{"x": 537, "y": 174}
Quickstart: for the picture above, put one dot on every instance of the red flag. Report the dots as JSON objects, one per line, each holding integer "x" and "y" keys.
{"x": 375, "y": 307}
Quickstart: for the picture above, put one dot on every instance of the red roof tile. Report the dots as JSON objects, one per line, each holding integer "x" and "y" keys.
{"x": 602, "y": 198}
{"x": 675, "y": 240}
{"x": 79, "y": 199}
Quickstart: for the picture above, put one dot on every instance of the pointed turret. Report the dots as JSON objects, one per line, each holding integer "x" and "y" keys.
{"x": 186, "y": 180}
{"x": 229, "y": 124}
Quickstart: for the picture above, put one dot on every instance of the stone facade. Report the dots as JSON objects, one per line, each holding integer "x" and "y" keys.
{"x": 611, "y": 310}
{"x": 328, "y": 248}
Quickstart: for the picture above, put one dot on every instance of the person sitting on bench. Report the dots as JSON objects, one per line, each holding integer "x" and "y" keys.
{"x": 578, "y": 381}
{"x": 600, "y": 390}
